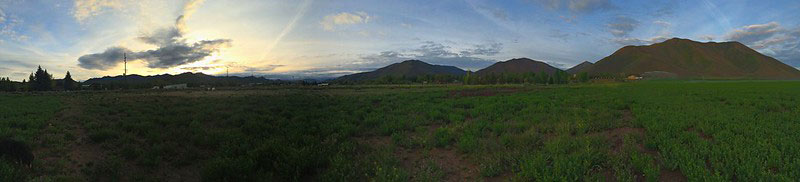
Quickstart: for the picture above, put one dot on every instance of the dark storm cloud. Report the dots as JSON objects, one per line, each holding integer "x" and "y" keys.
{"x": 103, "y": 61}
{"x": 180, "y": 53}
{"x": 172, "y": 50}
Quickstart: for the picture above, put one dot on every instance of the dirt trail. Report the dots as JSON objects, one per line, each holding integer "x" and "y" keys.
{"x": 69, "y": 143}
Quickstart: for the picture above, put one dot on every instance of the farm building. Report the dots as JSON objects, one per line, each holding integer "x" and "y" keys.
{"x": 176, "y": 86}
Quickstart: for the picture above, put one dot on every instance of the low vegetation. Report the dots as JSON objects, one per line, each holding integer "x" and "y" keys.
{"x": 650, "y": 131}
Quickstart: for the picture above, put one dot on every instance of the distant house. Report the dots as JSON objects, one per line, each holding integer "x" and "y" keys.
{"x": 176, "y": 86}
{"x": 323, "y": 84}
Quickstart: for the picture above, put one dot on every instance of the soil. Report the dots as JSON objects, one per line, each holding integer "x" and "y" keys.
{"x": 80, "y": 152}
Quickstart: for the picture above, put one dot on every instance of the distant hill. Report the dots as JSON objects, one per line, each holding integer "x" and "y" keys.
{"x": 409, "y": 68}
{"x": 518, "y": 65}
{"x": 193, "y": 79}
{"x": 580, "y": 67}
{"x": 687, "y": 58}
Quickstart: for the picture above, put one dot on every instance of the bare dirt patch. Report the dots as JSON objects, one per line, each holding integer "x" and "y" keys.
{"x": 76, "y": 149}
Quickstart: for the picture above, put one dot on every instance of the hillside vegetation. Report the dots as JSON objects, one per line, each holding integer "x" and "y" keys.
{"x": 690, "y": 59}
{"x": 653, "y": 131}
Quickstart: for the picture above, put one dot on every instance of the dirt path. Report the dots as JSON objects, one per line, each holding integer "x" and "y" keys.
{"x": 65, "y": 148}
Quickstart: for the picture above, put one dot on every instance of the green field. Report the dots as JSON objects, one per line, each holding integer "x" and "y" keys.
{"x": 651, "y": 131}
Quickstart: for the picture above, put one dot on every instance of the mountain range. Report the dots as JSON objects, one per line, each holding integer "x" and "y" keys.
{"x": 690, "y": 59}
{"x": 410, "y": 68}
{"x": 188, "y": 78}
{"x": 680, "y": 57}
{"x": 518, "y": 65}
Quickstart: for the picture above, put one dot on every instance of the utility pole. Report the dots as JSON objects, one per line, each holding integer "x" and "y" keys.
{"x": 125, "y": 73}
{"x": 125, "y": 59}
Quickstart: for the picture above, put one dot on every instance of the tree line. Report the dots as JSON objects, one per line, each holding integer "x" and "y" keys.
{"x": 558, "y": 77}
{"x": 40, "y": 80}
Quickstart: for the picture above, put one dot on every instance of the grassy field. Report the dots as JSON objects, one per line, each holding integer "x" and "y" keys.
{"x": 646, "y": 131}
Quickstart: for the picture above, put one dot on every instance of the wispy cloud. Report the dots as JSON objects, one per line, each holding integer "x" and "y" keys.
{"x": 8, "y": 27}
{"x": 84, "y": 9}
{"x": 622, "y": 26}
{"x": 577, "y": 6}
{"x": 330, "y": 22}
{"x": 771, "y": 39}
{"x": 753, "y": 33}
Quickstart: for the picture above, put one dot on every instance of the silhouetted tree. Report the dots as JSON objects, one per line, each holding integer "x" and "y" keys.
{"x": 7, "y": 85}
{"x": 41, "y": 80}
{"x": 69, "y": 83}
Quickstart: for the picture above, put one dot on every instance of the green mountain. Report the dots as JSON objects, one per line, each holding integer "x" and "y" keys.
{"x": 689, "y": 59}
{"x": 580, "y": 67}
{"x": 409, "y": 68}
{"x": 518, "y": 65}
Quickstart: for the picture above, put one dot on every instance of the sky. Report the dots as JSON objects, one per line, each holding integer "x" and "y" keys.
{"x": 293, "y": 39}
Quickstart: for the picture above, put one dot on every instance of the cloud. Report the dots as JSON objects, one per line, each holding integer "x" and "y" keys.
{"x": 588, "y": 5}
{"x": 435, "y": 53}
{"x": 754, "y": 33}
{"x": 331, "y": 21}
{"x": 771, "y": 39}
{"x": 577, "y": 6}
{"x": 8, "y": 27}
{"x": 637, "y": 41}
{"x": 201, "y": 68}
{"x": 622, "y": 26}
{"x": 2, "y": 16}
{"x": 83, "y": 9}
{"x": 556, "y": 64}
{"x": 172, "y": 51}
{"x": 662, "y": 23}
{"x": 262, "y": 69}
{"x": 491, "y": 12}
{"x": 707, "y": 37}
{"x": 180, "y": 54}
{"x": 103, "y": 61}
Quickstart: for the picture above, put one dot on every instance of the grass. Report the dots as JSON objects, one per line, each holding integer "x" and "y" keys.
{"x": 700, "y": 131}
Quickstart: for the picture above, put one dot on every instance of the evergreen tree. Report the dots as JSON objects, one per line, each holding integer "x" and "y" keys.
{"x": 69, "y": 83}
{"x": 41, "y": 80}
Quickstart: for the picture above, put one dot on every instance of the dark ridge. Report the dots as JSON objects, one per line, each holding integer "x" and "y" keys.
{"x": 408, "y": 68}
{"x": 691, "y": 59}
{"x": 518, "y": 65}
